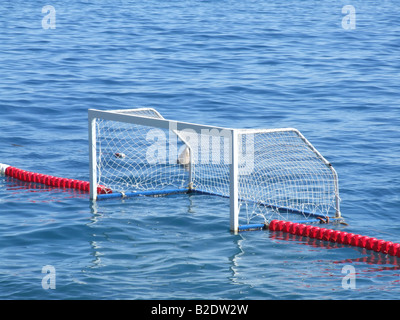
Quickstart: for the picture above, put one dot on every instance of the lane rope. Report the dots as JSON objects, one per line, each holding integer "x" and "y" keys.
{"x": 49, "y": 180}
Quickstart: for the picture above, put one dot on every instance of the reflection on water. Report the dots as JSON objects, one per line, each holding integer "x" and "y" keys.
{"x": 369, "y": 256}
{"x": 17, "y": 190}
{"x": 308, "y": 264}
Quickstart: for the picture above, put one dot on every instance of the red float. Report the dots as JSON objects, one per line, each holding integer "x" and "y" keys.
{"x": 52, "y": 181}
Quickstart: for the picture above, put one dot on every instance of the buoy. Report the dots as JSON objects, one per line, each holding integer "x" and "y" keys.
{"x": 120, "y": 155}
{"x": 184, "y": 157}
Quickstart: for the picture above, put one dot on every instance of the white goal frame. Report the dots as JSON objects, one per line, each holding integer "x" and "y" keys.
{"x": 232, "y": 135}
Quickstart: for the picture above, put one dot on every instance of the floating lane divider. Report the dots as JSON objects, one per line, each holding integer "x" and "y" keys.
{"x": 49, "y": 180}
{"x": 355, "y": 240}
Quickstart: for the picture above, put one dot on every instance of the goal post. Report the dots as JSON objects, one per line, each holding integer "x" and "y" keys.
{"x": 265, "y": 173}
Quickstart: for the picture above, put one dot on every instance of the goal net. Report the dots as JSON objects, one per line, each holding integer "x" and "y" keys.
{"x": 266, "y": 173}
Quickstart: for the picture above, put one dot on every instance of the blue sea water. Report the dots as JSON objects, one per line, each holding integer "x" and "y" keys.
{"x": 245, "y": 64}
